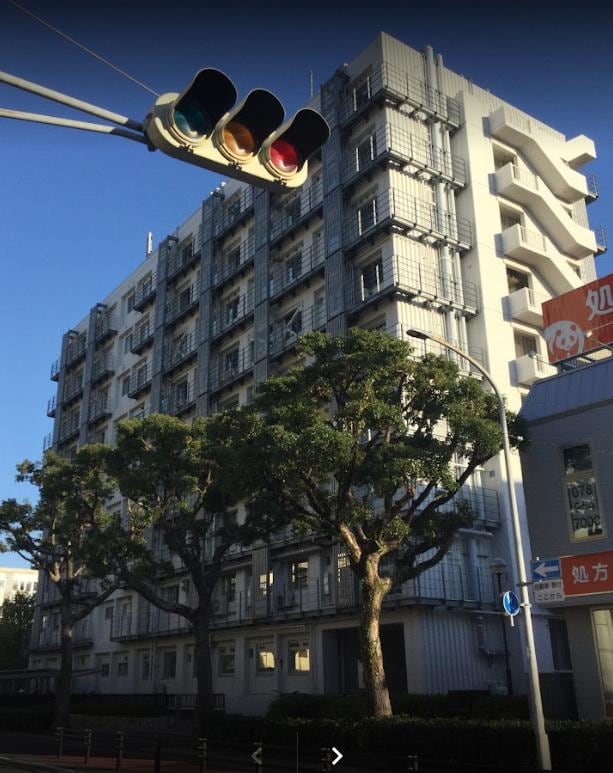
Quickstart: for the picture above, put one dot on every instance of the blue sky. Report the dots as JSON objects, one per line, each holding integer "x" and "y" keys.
{"x": 75, "y": 207}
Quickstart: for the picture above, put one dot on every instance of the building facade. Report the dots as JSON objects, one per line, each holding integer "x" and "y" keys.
{"x": 569, "y": 496}
{"x": 435, "y": 205}
{"x": 16, "y": 580}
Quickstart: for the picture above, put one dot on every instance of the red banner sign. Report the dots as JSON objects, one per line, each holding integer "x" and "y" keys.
{"x": 591, "y": 573}
{"x": 579, "y": 321}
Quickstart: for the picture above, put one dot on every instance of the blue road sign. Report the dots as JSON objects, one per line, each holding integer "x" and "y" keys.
{"x": 547, "y": 569}
{"x": 510, "y": 603}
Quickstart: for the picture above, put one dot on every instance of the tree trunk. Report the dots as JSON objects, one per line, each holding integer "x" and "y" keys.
{"x": 373, "y": 593}
{"x": 204, "y": 673}
{"x": 64, "y": 678}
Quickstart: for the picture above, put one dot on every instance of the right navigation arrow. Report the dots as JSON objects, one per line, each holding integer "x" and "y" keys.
{"x": 337, "y": 754}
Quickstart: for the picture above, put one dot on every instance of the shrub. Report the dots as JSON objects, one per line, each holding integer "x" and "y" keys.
{"x": 26, "y": 720}
{"x": 117, "y": 708}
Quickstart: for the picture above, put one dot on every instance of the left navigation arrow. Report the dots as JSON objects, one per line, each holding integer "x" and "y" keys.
{"x": 257, "y": 755}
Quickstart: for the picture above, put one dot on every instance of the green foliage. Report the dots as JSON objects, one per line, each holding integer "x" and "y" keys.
{"x": 15, "y": 624}
{"x": 26, "y": 720}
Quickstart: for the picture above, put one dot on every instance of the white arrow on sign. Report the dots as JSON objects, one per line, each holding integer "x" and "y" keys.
{"x": 542, "y": 570}
{"x": 338, "y": 754}
{"x": 257, "y": 756}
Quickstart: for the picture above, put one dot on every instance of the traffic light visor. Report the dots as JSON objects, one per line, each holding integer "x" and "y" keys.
{"x": 210, "y": 95}
{"x": 240, "y": 137}
{"x": 292, "y": 145}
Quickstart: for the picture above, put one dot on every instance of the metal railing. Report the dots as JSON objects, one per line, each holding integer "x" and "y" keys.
{"x": 51, "y": 406}
{"x": 55, "y": 370}
{"x": 429, "y": 346}
{"x": 228, "y": 366}
{"x": 392, "y": 207}
{"x": 179, "y": 401}
{"x": 292, "y": 269}
{"x": 592, "y": 185}
{"x": 142, "y": 336}
{"x": 50, "y": 638}
{"x": 286, "y": 332}
{"x": 180, "y": 304}
{"x": 601, "y": 238}
{"x": 103, "y": 365}
{"x": 231, "y": 311}
{"x": 228, "y": 265}
{"x": 295, "y": 210}
{"x": 140, "y": 380}
{"x": 401, "y": 145}
{"x": 99, "y": 407}
{"x": 389, "y": 81}
{"x": 104, "y": 326}
{"x": 145, "y": 291}
{"x": 176, "y": 352}
{"x": 234, "y": 209}
{"x": 70, "y": 426}
{"x": 182, "y": 256}
{"x": 47, "y": 441}
{"x": 73, "y": 386}
{"x": 533, "y": 238}
{"x": 76, "y": 349}
{"x": 410, "y": 276}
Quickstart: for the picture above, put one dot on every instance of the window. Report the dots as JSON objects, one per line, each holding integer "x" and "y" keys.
{"x": 299, "y": 658}
{"x": 265, "y": 582}
{"x": 582, "y": 495}
{"x": 361, "y": 93}
{"x": 228, "y": 586}
{"x": 367, "y": 215}
{"x": 129, "y": 302}
{"x": 509, "y": 218}
{"x": 105, "y": 670}
{"x": 181, "y": 390}
{"x": 371, "y": 279}
{"x": 125, "y": 385}
{"x": 145, "y": 665}
{"x": 525, "y": 344}
{"x": 293, "y": 267}
{"x": 127, "y": 343}
{"x": 122, "y": 666}
{"x": 231, "y": 402}
{"x": 231, "y": 309}
{"x": 366, "y": 151}
{"x": 299, "y": 573}
{"x": 292, "y": 210}
{"x": 231, "y": 361}
{"x": 233, "y": 207}
{"x": 517, "y": 280}
{"x": 226, "y": 659}
{"x": 265, "y": 658}
{"x": 108, "y": 613}
{"x": 184, "y": 297}
{"x": 292, "y": 325}
{"x": 603, "y": 629}
{"x": 233, "y": 258}
{"x": 169, "y": 664}
{"x": 141, "y": 375}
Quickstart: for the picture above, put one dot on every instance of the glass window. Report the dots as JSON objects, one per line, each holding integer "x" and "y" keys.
{"x": 122, "y": 666}
{"x": 129, "y": 302}
{"x": 367, "y": 215}
{"x": 265, "y": 658}
{"x": 145, "y": 665}
{"x": 231, "y": 309}
{"x": 299, "y": 657}
{"x": 228, "y": 586}
{"x": 586, "y": 520}
{"x": 517, "y": 280}
{"x": 105, "y": 669}
{"x": 231, "y": 361}
{"x": 366, "y": 151}
{"x": 226, "y": 659}
{"x": 361, "y": 93}
{"x": 125, "y": 385}
{"x": 169, "y": 664}
{"x": 371, "y": 279}
{"x": 525, "y": 344}
{"x": 299, "y": 571}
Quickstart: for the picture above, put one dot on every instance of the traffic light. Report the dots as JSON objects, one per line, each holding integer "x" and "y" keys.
{"x": 248, "y": 140}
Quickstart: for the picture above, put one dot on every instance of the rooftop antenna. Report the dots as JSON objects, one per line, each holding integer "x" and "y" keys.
{"x": 311, "y": 83}
{"x": 149, "y": 243}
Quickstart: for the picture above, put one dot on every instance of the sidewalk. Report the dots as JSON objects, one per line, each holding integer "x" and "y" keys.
{"x": 17, "y": 763}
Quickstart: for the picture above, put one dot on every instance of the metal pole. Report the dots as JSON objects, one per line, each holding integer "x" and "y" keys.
{"x": 69, "y": 123}
{"x": 504, "y": 639}
{"x": 536, "y": 703}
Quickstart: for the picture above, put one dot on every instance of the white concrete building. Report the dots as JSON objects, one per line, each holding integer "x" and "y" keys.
{"x": 434, "y": 205}
{"x": 14, "y": 579}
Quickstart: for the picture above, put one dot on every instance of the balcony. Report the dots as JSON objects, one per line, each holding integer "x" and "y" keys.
{"x": 601, "y": 239}
{"x": 231, "y": 312}
{"x": 179, "y": 400}
{"x": 292, "y": 270}
{"x": 390, "y": 144}
{"x": 48, "y": 442}
{"x": 105, "y": 327}
{"x": 55, "y": 371}
{"x": 70, "y": 427}
{"x": 230, "y": 366}
{"x": 140, "y": 381}
{"x": 73, "y": 388}
{"x": 76, "y": 349}
{"x": 296, "y": 211}
{"x": 405, "y": 276}
{"x": 144, "y": 292}
{"x": 525, "y": 306}
{"x": 233, "y": 263}
{"x": 406, "y": 214}
{"x": 177, "y": 353}
{"x": 99, "y": 408}
{"x": 182, "y": 304}
{"x": 286, "y": 332}
{"x": 592, "y": 188}
{"x": 530, "y": 368}
{"x": 50, "y": 639}
{"x": 520, "y": 185}
{"x": 103, "y": 367}
{"x": 387, "y": 83}
{"x": 142, "y": 338}
{"x": 234, "y": 211}
{"x": 51, "y": 406}
{"x": 183, "y": 257}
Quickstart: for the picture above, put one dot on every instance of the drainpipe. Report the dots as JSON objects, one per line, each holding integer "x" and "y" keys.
{"x": 445, "y": 260}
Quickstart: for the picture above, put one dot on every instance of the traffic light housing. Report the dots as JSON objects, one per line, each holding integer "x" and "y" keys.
{"x": 248, "y": 141}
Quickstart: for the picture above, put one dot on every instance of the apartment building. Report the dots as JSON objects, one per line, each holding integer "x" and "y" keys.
{"x": 15, "y": 580}
{"x": 434, "y": 205}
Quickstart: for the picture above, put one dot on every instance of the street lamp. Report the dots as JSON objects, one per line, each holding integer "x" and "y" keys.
{"x": 536, "y": 704}
{"x": 498, "y": 567}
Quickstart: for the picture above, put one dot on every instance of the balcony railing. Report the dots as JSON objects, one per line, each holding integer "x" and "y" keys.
{"x": 182, "y": 257}
{"x": 140, "y": 381}
{"x": 396, "y": 144}
{"x": 179, "y": 305}
{"x": 285, "y": 333}
{"x": 73, "y": 387}
{"x": 601, "y": 238}
{"x": 231, "y": 263}
{"x": 50, "y": 639}
{"x": 179, "y": 401}
{"x": 397, "y": 273}
{"x": 592, "y": 186}
{"x": 232, "y": 312}
{"x": 100, "y": 408}
{"x": 408, "y": 214}
{"x": 229, "y": 366}
{"x": 178, "y": 352}
{"x": 48, "y": 442}
{"x": 143, "y": 337}
{"x": 51, "y": 406}
{"x": 234, "y": 210}
{"x": 76, "y": 349}
{"x": 103, "y": 367}
{"x": 145, "y": 291}
{"x": 297, "y": 210}
{"x": 55, "y": 371}
{"x": 389, "y": 82}
{"x": 104, "y": 327}
{"x": 293, "y": 269}
{"x": 70, "y": 427}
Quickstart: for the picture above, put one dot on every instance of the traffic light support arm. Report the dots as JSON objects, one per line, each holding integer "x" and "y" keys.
{"x": 72, "y": 124}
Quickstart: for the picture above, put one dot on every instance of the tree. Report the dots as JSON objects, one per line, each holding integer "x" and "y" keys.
{"x": 71, "y": 538}
{"x": 16, "y": 619}
{"x": 362, "y": 444}
{"x": 184, "y": 481}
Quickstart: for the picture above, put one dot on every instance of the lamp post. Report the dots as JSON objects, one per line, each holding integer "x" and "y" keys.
{"x": 498, "y": 567}
{"x": 536, "y": 704}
